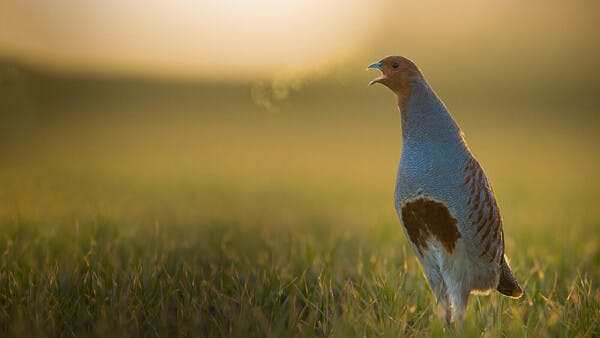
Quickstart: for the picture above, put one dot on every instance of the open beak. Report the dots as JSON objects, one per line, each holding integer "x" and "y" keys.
{"x": 378, "y": 66}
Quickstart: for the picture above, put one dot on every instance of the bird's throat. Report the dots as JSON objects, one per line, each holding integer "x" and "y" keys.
{"x": 402, "y": 104}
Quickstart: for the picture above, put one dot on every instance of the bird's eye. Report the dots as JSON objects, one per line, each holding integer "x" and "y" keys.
{"x": 395, "y": 65}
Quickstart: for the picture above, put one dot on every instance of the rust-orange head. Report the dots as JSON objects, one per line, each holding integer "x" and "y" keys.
{"x": 396, "y": 73}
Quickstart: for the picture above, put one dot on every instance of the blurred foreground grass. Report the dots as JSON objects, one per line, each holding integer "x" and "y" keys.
{"x": 131, "y": 209}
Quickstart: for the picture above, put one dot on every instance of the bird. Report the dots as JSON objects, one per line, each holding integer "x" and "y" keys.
{"x": 443, "y": 198}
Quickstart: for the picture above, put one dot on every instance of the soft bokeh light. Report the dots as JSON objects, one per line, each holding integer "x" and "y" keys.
{"x": 237, "y": 39}
{"x": 232, "y": 38}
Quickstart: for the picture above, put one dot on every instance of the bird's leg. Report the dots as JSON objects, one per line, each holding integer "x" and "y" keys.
{"x": 441, "y": 296}
{"x": 459, "y": 300}
{"x": 438, "y": 287}
{"x": 445, "y": 304}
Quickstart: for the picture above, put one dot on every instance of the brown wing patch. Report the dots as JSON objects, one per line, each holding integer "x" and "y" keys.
{"x": 424, "y": 217}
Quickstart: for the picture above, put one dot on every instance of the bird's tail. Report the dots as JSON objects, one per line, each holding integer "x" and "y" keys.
{"x": 508, "y": 284}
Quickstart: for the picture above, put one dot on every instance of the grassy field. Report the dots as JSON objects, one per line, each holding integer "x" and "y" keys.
{"x": 138, "y": 209}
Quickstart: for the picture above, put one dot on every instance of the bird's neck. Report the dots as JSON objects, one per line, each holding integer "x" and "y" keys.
{"x": 425, "y": 119}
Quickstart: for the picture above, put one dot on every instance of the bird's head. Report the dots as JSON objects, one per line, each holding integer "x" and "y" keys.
{"x": 396, "y": 74}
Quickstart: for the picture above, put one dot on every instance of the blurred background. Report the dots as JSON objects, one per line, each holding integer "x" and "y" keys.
{"x": 185, "y": 112}
{"x": 174, "y": 167}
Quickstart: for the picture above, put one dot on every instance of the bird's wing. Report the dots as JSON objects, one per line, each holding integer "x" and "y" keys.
{"x": 484, "y": 220}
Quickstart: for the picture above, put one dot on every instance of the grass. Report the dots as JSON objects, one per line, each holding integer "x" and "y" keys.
{"x": 258, "y": 277}
{"x": 162, "y": 217}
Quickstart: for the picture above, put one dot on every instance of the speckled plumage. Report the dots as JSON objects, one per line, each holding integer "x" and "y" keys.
{"x": 443, "y": 198}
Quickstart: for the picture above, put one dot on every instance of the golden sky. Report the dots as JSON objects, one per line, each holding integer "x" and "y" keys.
{"x": 241, "y": 39}
{"x": 198, "y": 37}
